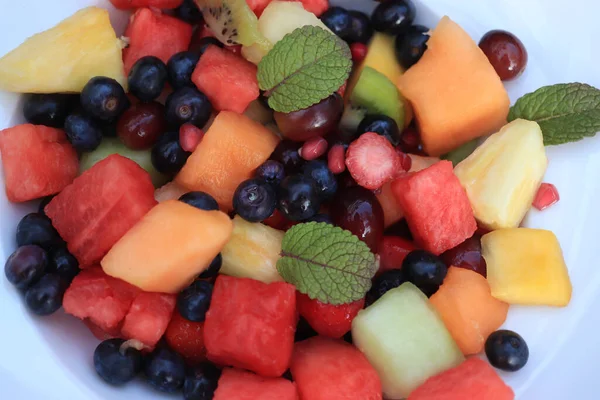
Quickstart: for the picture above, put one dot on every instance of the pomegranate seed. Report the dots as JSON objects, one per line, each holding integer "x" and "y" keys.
{"x": 190, "y": 136}
{"x": 237, "y": 49}
{"x": 336, "y": 159}
{"x": 359, "y": 52}
{"x": 313, "y": 148}
{"x": 405, "y": 159}
{"x": 546, "y": 196}
{"x": 410, "y": 141}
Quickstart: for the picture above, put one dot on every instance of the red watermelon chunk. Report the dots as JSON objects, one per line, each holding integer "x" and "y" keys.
{"x": 228, "y": 80}
{"x": 100, "y": 333}
{"x": 473, "y": 379}
{"x": 128, "y": 4}
{"x": 241, "y": 385}
{"x": 100, "y": 206}
{"x": 436, "y": 207}
{"x": 152, "y": 33}
{"x": 331, "y": 369}
{"x": 186, "y": 338}
{"x": 251, "y": 324}
{"x": 258, "y": 6}
{"x": 148, "y": 317}
{"x": 316, "y": 7}
{"x": 38, "y": 161}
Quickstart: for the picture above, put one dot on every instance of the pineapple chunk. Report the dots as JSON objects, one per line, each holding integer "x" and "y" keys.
{"x": 252, "y": 251}
{"x": 66, "y": 57}
{"x": 502, "y": 176}
{"x": 526, "y": 266}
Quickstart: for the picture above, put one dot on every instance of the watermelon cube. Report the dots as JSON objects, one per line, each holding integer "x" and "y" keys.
{"x": 472, "y": 379}
{"x": 242, "y": 385}
{"x": 316, "y": 7}
{"x": 38, "y": 161}
{"x": 148, "y": 317}
{"x": 152, "y": 33}
{"x": 436, "y": 207}
{"x": 251, "y": 324}
{"x": 228, "y": 80}
{"x": 100, "y": 206}
{"x": 331, "y": 369}
{"x": 129, "y": 4}
{"x": 102, "y": 299}
{"x": 100, "y": 333}
{"x": 258, "y": 6}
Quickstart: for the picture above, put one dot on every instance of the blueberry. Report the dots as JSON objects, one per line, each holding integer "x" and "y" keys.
{"x": 287, "y": 154}
{"x": 193, "y": 302}
{"x": 325, "y": 180}
{"x": 48, "y": 109}
{"x": 180, "y": 68}
{"x": 43, "y": 203}
{"x": 382, "y": 125}
{"x": 187, "y": 105}
{"x": 64, "y": 264}
{"x": 411, "y": 45}
{"x": 393, "y": 16}
{"x": 298, "y": 198}
{"x": 202, "y": 44}
{"x": 201, "y": 200}
{"x": 321, "y": 218}
{"x": 201, "y": 382}
{"x": 361, "y": 30}
{"x": 37, "y": 229}
{"x": 213, "y": 269}
{"x": 165, "y": 370}
{"x": 147, "y": 78}
{"x": 506, "y": 350}
{"x": 425, "y": 270}
{"x": 188, "y": 11}
{"x": 272, "y": 172}
{"x": 104, "y": 98}
{"x": 83, "y": 132}
{"x": 254, "y": 200}
{"x": 167, "y": 156}
{"x": 338, "y": 19}
{"x": 115, "y": 363}
{"x": 45, "y": 296}
{"x": 388, "y": 280}
{"x": 26, "y": 266}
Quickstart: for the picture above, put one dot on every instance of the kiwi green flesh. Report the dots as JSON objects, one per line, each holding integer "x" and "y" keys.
{"x": 462, "y": 152}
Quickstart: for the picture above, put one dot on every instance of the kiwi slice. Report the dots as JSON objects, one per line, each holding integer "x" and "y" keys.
{"x": 351, "y": 118}
{"x": 464, "y": 151}
{"x": 378, "y": 95}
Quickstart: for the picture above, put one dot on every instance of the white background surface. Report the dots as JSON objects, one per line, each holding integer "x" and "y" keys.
{"x": 52, "y": 358}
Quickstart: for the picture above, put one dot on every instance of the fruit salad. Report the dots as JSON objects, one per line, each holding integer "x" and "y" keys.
{"x": 264, "y": 199}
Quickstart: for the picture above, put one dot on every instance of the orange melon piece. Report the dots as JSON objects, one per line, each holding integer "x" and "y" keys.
{"x": 233, "y": 147}
{"x": 455, "y": 92}
{"x": 471, "y": 314}
{"x": 169, "y": 247}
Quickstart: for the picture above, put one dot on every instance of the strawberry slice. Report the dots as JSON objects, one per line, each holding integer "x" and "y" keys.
{"x": 372, "y": 161}
{"x": 327, "y": 319}
{"x": 392, "y": 251}
{"x": 186, "y": 338}
{"x": 190, "y": 136}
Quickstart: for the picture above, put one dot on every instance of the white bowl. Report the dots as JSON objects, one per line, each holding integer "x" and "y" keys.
{"x": 51, "y": 358}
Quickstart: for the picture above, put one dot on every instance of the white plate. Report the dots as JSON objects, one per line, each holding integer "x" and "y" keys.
{"x": 51, "y": 358}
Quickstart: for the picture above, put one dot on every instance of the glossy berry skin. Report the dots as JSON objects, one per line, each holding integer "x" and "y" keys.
{"x": 361, "y": 30}
{"x": 167, "y": 155}
{"x": 104, "y": 98}
{"x": 272, "y": 172}
{"x": 254, "y": 200}
{"x": 411, "y": 46}
{"x": 37, "y": 229}
{"x": 180, "y": 68}
{"x": 382, "y": 125}
{"x": 298, "y": 198}
{"x": 338, "y": 19}
{"x": 213, "y": 269}
{"x": 193, "y": 302}
{"x": 201, "y": 382}
{"x": 26, "y": 266}
{"x": 358, "y": 210}
{"x": 83, "y": 132}
{"x": 147, "y": 78}
{"x": 187, "y": 105}
{"x": 506, "y": 350}
{"x": 140, "y": 126}
{"x": 392, "y": 252}
{"x": 189, "y": 12}
{"x": 324, "y": 179}
{"x": 425, "y": 270}
{"x": 201, "y": 200}
{"x": 506, "y": 53}
{"x": 287, "y": 154}
{"x": 165, "y": 370}
{"x": 467, "y": 255}
{"x": 48, "y": 109}
{"x": 64, "y": 264}
{"x": 328, "y": 320}
{"x": 388, "y": 280}
{"x": 45, "y": 296}
{"x": 115, "y": 366}
{"x": 321, "y": 218}
{"x": 393, "y": 16}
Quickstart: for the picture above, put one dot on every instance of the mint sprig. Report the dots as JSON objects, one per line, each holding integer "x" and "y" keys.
{"x": 566, "y": 112}
{"x": 326, "y": 263}
{"x": 305, "y": 67}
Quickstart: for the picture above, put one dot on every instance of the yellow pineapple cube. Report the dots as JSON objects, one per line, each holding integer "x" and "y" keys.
{"x": 526, "y": 266}
{"x": 502, "y": 176}
{"x": 65, "y": 57}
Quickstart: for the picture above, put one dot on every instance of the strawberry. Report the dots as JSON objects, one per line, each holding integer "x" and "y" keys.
{"x": 190, "y": 136}
{"x": 186, "y": 338}
{"x": 372, "y": 161}
{"x": 327, "y": 319}
{"x": 392, "y": 251}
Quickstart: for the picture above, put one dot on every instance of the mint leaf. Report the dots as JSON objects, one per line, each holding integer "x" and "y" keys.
{"x": 305, "y": 67}
{"x": 566, "y": 112}
{"x": 326, "y": 263}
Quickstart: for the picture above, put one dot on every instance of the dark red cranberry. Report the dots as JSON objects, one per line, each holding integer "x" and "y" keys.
{"x": 506, "y": 53}
{"x": 140, "y": 126}
{"x": 467, "y": 255}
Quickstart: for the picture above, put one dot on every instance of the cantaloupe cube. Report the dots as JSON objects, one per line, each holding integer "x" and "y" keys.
{"x": 455, "y": 92}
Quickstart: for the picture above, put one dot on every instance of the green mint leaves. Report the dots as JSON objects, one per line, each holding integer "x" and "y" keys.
{"x": 326, "y": 263}
{"x": 566, "y": 112}
{"x": 305, "y": 67}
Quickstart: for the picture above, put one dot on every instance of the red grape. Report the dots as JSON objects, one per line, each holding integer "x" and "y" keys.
{"x": 140, "y": 126}
{"x": 467, "y": 255}
{"x": 506, "y": 53}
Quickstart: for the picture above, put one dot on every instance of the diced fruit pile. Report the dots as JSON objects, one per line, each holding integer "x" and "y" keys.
{"x": 326, "y": 251}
